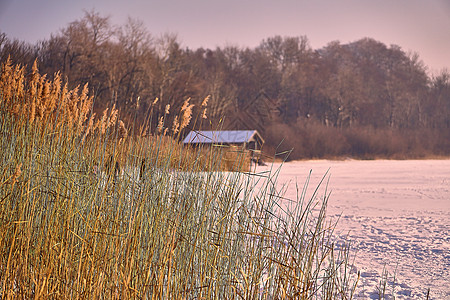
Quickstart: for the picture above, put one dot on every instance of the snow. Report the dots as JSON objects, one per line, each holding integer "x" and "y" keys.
{"x": 396, "y": 214}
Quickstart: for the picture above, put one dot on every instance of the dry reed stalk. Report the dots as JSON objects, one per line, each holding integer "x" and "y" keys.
{"x": 160, "y": 125}
{"x": 114, "y": 116}
{"x": 167, "y": 109}
{"x": 101, "y": 124}
{"x": 17, "y": 173}
{"x": 186, "y": 114}
{"x": 175, "y": 126}
{"x": 13, "y": 178}
{"x": 123, "y": 132}
{"x": 6, "y": 81}
{"x": 205, "y": 101}
{"x": 85, "y": 103}
{"x": 89, "y": 127}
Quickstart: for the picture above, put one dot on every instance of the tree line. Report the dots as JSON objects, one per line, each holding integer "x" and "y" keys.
{"x": 361, "y": 99}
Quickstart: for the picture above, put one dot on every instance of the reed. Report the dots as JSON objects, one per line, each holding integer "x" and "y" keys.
{"x": 87, "y": 211}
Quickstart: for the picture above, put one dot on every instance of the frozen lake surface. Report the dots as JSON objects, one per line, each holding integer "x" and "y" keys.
{"x": 397, "y": 216}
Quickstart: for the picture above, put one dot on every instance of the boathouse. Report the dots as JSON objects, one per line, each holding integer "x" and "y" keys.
{"x": 249, "y": 140}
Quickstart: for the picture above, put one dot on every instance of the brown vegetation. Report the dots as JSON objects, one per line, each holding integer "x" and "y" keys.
{"x": 314, "y": 141}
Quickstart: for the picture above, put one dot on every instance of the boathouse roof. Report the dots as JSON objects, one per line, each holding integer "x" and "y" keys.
{"x": 223, "y": 137}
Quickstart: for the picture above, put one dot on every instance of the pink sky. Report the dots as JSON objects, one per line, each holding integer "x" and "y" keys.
{"x": 415, "y": 25}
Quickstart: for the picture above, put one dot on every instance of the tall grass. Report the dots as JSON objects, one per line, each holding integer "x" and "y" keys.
{"x": 88, "y": 211}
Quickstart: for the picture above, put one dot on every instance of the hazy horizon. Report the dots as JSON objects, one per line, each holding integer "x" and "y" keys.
{"x": 422, "y": 27}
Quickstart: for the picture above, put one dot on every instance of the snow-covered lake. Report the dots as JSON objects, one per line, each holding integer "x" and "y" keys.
{"x": 397, "y": 215}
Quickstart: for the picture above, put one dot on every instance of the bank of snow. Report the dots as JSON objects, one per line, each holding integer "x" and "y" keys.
{"x": 397, "y": 215}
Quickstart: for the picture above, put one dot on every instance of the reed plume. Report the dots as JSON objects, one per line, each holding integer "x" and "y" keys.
{"x": 175, "y": 126}
{"x": 160, "y": 125}
{"x": 186, "y": 114}
{"x": 114, "y": 115}
{"x": 167, "y": 109}
{"x": 204, "y": 106}
{"x": 205, "y": 101}
{"x": 102, "y": 123}
{"x": 123, "y": 132}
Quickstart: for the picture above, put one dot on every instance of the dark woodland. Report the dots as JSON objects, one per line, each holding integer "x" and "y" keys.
{"x": 363, "y": 100}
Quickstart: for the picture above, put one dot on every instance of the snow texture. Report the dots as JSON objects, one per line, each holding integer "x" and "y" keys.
{"x": 396, "y": 214}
